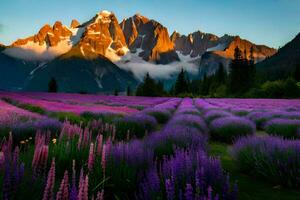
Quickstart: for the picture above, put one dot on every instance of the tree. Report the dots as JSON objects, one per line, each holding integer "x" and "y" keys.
{"x": 116, "y": 92}
{"x": 242, "y": 72}
{"x": 181, "y": 84}
{"x": 238, "y": 54}
{"x": 291, "y": 89}
{"x": 205, "y": 85}
{"x": 52, "y": 85}
{"x": 128, "y": 91}
{"x": 150, "y": 88}
{"x": 221, "y": 74}
{"x": 160, "y": 88}
{"x": 252, "y": 54}
{"x": 297, "y": 73}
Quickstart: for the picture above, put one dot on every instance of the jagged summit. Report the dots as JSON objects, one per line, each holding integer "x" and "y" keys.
{"x": 149, "y": 37}
{"x": 135, "y": 37}
{"x": 74, "y": 24}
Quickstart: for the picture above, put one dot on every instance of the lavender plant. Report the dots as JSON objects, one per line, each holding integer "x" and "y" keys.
{"x": 287, "y": 128}
{"x": 229, "y": 128}
{"x": 188, "y": 175}
{"x": 273, "y": 158}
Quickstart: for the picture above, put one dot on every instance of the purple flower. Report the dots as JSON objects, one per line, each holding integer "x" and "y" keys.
{"x": 211, "y": 115}
{"x": 287, "y": 128}
{"x": 229, "y": 128}
{"x": 274, "y": 158}
{"x": 189, "y": 192}
{"x": 48, "y": 192}
{"x": 170, "y": 190}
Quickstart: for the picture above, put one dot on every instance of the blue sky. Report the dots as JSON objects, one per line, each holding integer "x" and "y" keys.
{"x": 270, "y": 22}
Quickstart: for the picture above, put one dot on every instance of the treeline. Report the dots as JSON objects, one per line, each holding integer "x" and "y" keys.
{"x": 241, "y": 81}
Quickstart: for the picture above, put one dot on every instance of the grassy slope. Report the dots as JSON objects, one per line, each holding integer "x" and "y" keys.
{"x": 250, "y": 188}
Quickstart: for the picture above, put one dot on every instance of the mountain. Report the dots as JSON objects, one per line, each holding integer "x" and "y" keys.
{"x": 2, "y": 47}
{"x": 151, "y": 38}
{"x": 198, "y": 44}
{"x": 79, "y": 57}
{"x": 224, "y": 53}
{"x": 14, "y": 72}
{"x": 47, "y": 44}
{"x": 103, "y": 36}
{"x": 283, "y": 63}
{"x": 194, "y": 44}
{"x": 106, "y": 55}
{"x": 75, "y": 73}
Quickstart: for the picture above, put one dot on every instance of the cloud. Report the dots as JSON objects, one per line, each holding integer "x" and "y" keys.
{"x": 139, "y": 67}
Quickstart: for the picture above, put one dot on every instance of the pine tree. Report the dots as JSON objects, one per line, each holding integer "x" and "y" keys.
{"x": 160, "y": 88}
{"x": 116, "y": 92}
{"x": 150, "y": 88}
{"x": 252, "y": 54}
{"x": 205, "y": 85}
{"x": 235, "y": 71}
{"x": 128, "y": 91}
{"x": 221, "y": 74}
{"x": 181, "y": 85}
{"x": 242, "y": 72}
{"x": 52, "y": 85}
{"x": 297, "y": 73}
{"x": 237, "y": 54}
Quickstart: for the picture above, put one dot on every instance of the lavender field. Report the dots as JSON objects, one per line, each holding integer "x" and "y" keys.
{"x": 80, "y": 147}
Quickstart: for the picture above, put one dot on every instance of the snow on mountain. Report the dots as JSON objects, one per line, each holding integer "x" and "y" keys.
{"x": 139, "y": 67}
{"x": 48, "y": 44}
{"x": 219, "y": 47}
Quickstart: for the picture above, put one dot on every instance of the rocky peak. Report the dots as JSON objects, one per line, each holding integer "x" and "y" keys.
{"x": 132, "y": 26}
{"x": 194, "y": 44}
{"x": 104, "y": 36}
{"x": 47, "y": 35}
{"x": 74, "y": 24}
{"x": 151, "y": 37}
{"x": 260, "y": 52}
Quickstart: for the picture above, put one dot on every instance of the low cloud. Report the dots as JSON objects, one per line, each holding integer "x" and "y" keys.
{"x": 140, "y": 67}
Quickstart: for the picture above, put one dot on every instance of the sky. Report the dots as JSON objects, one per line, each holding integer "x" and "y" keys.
{"x": 269, "y": 22}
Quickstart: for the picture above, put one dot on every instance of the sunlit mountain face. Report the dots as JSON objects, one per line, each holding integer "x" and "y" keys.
{"x": 136, "y": 45}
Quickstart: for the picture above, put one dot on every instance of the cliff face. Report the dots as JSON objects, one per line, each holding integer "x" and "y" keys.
{"x": 198, "y": 43}
{"x": 260, "y": 52}
{"x": 103, "y": 36}
{"x": 151, "y": 37}
{"x": 194, "y": 44}
{"x": 47, "y": 35}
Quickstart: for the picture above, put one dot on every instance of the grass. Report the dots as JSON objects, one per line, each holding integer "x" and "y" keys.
{"x": 250, "y": 188}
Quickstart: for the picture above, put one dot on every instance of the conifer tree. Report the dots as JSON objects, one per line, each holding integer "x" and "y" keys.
{"x": 221, "y": 74}
{"x": 181, "y": 85}
{"x": 242, "y": 72}
{"x": 150, "y": 88}
{"x": 128, "y": 91}
{"x": 205, "y": 85}
{"x": 52, "y": 85}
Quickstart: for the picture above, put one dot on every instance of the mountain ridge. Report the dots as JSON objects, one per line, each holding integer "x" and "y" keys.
{"x": 284, "y": 62}
{"x": 107, "y": 37}
{"x": 135, "y": 45}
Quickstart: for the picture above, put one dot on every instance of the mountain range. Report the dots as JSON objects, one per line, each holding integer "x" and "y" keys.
{"x": 103, "y": 54}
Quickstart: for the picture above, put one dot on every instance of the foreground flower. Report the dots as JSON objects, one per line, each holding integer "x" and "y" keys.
{"x": 63, "y": 193}
{"x": 48, "y": 192}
